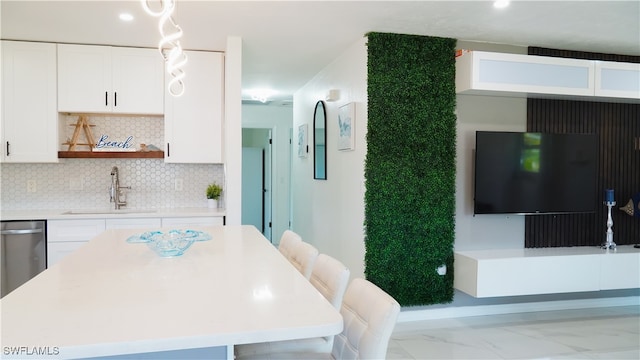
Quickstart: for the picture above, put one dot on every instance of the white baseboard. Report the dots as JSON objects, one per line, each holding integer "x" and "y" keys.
{"x": 480, "y": 310}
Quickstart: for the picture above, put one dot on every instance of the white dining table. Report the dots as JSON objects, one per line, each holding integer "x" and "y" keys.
{"x": 114, "y": 299}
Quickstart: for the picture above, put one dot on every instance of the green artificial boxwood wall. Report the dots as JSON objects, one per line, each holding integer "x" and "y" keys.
{"x": 410, "y": 166}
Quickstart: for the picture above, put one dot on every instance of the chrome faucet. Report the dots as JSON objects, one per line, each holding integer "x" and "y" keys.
{"x": 116, "y": 195}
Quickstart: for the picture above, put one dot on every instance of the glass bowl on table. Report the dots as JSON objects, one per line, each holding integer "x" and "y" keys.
{"x": 172, "y": 243}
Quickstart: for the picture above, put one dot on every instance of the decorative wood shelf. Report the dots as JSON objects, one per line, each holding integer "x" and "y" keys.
{"x": 110, "y": 154}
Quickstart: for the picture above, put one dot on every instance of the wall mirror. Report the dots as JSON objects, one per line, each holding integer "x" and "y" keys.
{"x": 319, "y": 142}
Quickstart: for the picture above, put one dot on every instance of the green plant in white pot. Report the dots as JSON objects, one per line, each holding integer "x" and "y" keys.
{"x": 213, "y": 194}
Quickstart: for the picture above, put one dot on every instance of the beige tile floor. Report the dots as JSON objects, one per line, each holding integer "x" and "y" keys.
{"x": 602, "y": 333}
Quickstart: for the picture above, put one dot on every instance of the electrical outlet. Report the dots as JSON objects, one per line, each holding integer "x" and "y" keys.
{"x": 178, "y": 185}
{"x": 31, "y": 186}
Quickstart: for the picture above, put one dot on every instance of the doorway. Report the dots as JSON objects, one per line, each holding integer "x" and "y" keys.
{"x": 256, "y": 180}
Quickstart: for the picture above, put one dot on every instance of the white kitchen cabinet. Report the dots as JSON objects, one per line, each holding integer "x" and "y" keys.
{"x": 617, "y": 80}
{"x": 29, "y": 118}
{"x": 193, "y": 121}
{"x": 104, "y": 79}
{"x": 188, "y": 222}
{"x": 64, "y": 236}
{"x": 500, "y": 74}
{"x": 137, "y": 223}
{"x": 534, "y": 271}
{"x": 58, "y": 250}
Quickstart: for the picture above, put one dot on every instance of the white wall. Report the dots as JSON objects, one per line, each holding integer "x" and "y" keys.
{"x": 330, "y": 213}
{"x": 233, "y": 130}
{"x": 485, "y": 113}
{"x": 280, "y": 120}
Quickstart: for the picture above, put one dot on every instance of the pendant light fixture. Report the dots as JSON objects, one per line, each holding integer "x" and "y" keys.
{"x": 169, "y": 45}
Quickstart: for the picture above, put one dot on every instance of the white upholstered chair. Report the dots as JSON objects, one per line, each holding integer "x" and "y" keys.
{"x": 369, "y": 316}
{"x": 330, "y": 277}
{"x": 303, "y": 258}
{"x": 288, "y": 242}
{"x": 300, "y": 254}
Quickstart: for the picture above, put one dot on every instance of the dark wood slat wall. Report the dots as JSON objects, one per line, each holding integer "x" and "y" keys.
{"x": 618, "y": 126}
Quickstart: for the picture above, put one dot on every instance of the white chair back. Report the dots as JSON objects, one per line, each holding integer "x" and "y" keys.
{"x": 369, "y": 316}
{"x": 288, "y": 243}
{"x": 303, "y": 258}
{"x": 330, "y": 277}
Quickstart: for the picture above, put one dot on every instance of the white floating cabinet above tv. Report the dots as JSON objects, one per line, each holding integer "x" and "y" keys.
{"x": 618, "y": 80}
{"x": 516, "y": 75}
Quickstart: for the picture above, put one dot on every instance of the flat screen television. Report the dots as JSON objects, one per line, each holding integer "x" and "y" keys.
{"x": 535, "y": 173}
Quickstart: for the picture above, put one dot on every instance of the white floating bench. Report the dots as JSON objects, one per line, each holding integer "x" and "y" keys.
{"x": 512, "y": 272}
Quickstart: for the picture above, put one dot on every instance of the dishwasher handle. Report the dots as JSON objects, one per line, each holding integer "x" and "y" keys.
{"x": 20, "y": 232}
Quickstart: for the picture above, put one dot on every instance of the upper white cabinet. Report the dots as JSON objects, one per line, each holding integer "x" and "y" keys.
{"x": 104, "y": 79}
{"x": 616, "y": 79}
{"x": 486, "y": 73}
{"x": 29, "y": 123}
{"x": 193, "y": 121}
{"x": 479, "y": 72}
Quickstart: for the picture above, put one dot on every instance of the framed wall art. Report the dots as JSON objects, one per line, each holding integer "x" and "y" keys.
{"x": 346, "y": 127}
{"x": 303, "y": 145}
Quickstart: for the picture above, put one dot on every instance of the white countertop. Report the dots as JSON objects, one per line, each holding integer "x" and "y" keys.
{"x": 107, "y": 213}
{"x": 111, "y": 297}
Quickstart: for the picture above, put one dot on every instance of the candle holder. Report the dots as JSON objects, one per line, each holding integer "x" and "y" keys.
{"x": 609, "y": 244}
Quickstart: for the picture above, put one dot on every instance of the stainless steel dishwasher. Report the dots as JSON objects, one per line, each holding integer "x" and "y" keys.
{"x": 23, "y": 253}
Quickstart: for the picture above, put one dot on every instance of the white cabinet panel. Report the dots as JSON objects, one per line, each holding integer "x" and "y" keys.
{"x": 74, "y": 230}
{"x": 65, "y": 236}
{"x": 520, "y": 75}
{"x": 138, "y": 223}
{"x": 513, "y": 272}
{"x": 138, "y": 81}
{"x": 104, "y": 79}
{"x": 187, "y": 222}
{"x": 618, "y": 80}
{"x": 193, "y": 121}
{"x": 29, "y": 118}
{"x": 84, "y": 78}
{"x": 58, "y": 250}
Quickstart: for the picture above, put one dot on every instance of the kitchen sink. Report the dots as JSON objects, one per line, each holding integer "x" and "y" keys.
{"x": 108, "y": 212}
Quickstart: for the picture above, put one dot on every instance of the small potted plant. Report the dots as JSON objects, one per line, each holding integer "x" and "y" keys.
{"x": 213, "y": 194}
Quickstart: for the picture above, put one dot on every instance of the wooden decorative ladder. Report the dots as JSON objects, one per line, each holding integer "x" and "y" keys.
{"x": 81, "y": 125}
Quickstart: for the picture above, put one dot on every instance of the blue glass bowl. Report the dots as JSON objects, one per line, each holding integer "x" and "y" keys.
{"x": 171, "y": 243}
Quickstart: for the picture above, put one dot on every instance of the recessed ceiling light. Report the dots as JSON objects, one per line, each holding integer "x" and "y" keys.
{"x": 501, "y": 4}
{"x": 126, "y": 17}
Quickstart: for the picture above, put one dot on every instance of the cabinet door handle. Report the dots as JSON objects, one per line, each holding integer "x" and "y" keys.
{"x": 115, "y": 99}
{"x": 168, "y": 151}
{"x": 8, "y": 148}
{"x": 106, "y": 98}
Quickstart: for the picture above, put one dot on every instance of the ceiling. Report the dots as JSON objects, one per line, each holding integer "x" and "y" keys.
{"x": 285, "y": 43}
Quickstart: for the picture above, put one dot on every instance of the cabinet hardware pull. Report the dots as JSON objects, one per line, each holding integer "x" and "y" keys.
{"x": 168, "y": 151}
{"x": 115, "y": 99}
{"x": 106, "y": 98}
{"x": 8, "y": 148}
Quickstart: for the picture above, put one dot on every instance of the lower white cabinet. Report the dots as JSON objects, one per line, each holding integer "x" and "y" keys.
{"x": 514, "y": 272}
{"x": 65, "y": 236}
{"x": 186, "y": 222}
{"x": 133, "y": 223}
{"x": 58, "y": 250}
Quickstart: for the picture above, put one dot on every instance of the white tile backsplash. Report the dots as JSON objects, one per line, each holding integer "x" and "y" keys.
{"x": 84, "y": 183}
